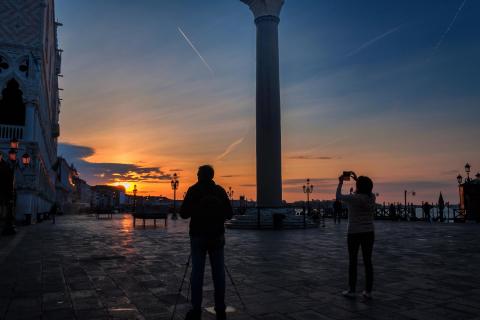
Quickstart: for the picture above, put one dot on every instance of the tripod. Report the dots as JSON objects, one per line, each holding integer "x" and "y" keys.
{"x": 181, "y": 286}
{"x": 187, "y": 265}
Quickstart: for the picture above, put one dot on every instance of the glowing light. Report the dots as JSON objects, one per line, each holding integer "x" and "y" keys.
{"x": 127, "y": 185}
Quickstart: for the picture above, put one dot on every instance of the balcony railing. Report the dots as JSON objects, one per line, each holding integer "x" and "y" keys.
{"x": 11, "y": 132}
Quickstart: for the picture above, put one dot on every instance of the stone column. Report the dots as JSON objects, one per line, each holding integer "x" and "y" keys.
{"x": 29, "y": 133}
{"x": 269, "y": 153}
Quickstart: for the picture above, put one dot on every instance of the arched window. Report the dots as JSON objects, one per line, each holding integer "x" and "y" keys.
{"x": 12, "y": 108}
{"x": 3, "y": 64}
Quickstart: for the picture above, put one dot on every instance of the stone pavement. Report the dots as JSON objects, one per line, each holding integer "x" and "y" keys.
{"x": 83, "y": 268}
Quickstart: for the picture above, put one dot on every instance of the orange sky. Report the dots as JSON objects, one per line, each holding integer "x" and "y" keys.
{"x": 375, "y": 95}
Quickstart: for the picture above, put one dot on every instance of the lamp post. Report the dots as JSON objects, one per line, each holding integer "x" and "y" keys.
{"x": 135, "y": 198}
{"x": 405, "y": 193}
{"x": 174, "y": 183}
{"x": 230, "y": 193}
{"x": 307, "y": 189}
{"x": 12, "y": 164}
{"x": 467, "y": 171}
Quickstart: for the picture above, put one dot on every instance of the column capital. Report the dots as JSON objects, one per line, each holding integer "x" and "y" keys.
{"x": 261, "y": 8}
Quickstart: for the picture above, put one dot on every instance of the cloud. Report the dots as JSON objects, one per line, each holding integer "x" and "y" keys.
{"x": 231, "y": 176}
{"x": 372, "y": 41}
{"x": 302, "y": 181}
{"x": 109, "y": 172}
{"x": 399, "y": 186}
{"x": 311, "y": 157}
{"x": 230, "y": 148}
{"x": 453, "y": 172}
{"x": 248, "y": 185}
{"x": 176, "y": 170}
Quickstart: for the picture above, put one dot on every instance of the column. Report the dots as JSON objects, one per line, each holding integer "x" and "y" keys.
{"x": 268, "y": 122}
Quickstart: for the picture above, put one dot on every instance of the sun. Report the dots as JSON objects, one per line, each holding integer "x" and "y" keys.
{"x": 128, "y": 186}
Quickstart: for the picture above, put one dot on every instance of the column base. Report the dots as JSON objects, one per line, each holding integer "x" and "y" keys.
{"x": 270, "y": 218}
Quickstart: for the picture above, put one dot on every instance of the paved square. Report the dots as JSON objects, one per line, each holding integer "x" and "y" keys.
{"x": 83, "y": 268}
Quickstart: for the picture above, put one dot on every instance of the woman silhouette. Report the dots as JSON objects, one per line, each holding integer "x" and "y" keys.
{"x": 361, "y": 209}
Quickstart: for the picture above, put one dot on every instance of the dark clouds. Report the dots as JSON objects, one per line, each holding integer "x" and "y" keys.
{"x": 105, "y": 172}
{"x": 310, "y": 157}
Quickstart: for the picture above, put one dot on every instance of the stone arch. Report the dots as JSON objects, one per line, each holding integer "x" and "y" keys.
{"x": 12, "y": 107}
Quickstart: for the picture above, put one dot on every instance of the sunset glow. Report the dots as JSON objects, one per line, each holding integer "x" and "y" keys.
{"x": 368, "y": 92}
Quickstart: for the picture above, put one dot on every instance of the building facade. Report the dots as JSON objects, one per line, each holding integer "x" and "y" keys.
{"x": 64, "y": 185}
{"x": 29, "y": 103}
{"x": 107, "y": 197}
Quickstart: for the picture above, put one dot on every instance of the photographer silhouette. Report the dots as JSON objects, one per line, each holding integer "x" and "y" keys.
{"x": 208, "y": 206}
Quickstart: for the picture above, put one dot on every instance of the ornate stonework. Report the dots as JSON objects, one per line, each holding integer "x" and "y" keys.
{"x": 21, "y": 22}
{"x": 261, "y": 8}
{"x": 29, "y": 55}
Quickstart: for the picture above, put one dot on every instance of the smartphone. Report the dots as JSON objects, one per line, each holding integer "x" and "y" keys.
{"x": 346, "y": 175}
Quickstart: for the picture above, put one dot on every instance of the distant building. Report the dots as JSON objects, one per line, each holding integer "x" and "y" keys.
{"x": 107, "y": 197}
{"x": 82, "y": 194}
{"x": 64, "y": 184}
{"x": 29, "y": 103}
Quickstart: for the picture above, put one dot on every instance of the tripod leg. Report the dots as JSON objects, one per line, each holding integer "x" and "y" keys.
{"x": 235, "y": 287}
{"x": 189, "y": 288}
{"x": 181, "y": 286}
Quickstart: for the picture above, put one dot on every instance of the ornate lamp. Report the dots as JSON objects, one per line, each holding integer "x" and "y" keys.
{"x": 467, "y": 168}
{"x": 26, "y": 159}
{"x": 459, "y": 179}
{"x": 14, "y": 143}
{"x": 174, "y": 182}
{"x": 12, "y": 155}
{"x": 308, "y": 188}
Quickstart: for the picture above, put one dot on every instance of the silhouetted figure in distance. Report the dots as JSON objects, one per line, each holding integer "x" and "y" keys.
{"x": 361, "y": 232}
{"x": 337, "y": 211}
{"x": 392, "y": 211}
{"x": 208, "y": 206}
{"x": 426, "y": 210}
{"x": 53, "y": 212}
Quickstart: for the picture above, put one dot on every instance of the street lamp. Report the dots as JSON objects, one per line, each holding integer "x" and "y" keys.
{"x": 230, "y": 193}
{"x": 308, "y": 189}
{"x": 174, "y": 183}
{"x": 467, "y": 170}
{"x": 477, "y": 175}
{"x": 135, "y": 198}
{"x": 459, "y": 179}
{"x": 12, "y": 164}
{"x": 405, "y": 193}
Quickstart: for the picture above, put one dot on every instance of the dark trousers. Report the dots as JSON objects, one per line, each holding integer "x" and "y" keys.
{"x": 364, "y": 240}
{"x": 200, "y": 246}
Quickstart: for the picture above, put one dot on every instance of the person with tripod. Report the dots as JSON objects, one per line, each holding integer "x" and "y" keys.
{"x": 208, "y": 206}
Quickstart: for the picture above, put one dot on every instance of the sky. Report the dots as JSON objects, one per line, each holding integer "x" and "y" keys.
{"x": 388, "y": 89}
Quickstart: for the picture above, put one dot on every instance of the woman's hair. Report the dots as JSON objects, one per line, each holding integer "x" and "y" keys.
{"x": 364, "y": 185}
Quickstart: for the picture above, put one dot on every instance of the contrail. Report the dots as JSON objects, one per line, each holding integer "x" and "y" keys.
{"x": 196, "y": 51}
{"x": 230, "y": 148}
{"x": 372, "y": 41}
{"x": 442, "y": 38}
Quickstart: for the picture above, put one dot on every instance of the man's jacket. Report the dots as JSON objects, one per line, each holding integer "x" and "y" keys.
{"x": 207, "y": 205}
